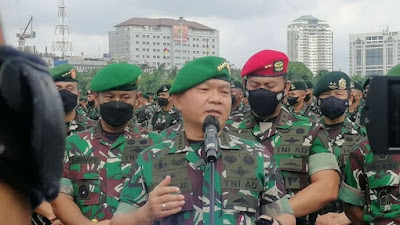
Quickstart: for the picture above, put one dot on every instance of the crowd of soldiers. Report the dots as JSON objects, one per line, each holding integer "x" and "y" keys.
{"x": 290, "y": 151}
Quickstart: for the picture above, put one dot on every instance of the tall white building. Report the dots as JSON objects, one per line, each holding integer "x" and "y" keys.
{"x": 373, "y": 53}
{"x": 310, "y": 41}
{"x": 158, "y": 41}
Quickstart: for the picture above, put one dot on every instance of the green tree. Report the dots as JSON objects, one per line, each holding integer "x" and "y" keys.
{"x": 299, "y": 71}
{"x": 84, "y": 80}
{"x": 358, "y": 78}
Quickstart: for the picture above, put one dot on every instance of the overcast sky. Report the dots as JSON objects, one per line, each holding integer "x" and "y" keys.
{"x": 246, "y": 26}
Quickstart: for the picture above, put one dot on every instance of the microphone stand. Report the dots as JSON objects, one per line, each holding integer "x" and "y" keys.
{"x": 211, "y": 128}
{"x": 212, "y": 186}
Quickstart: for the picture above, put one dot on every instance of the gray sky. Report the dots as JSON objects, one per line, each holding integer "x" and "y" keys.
{"x": 245, "y": 26}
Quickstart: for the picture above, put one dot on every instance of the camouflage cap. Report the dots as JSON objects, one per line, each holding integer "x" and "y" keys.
{"x": 298, "y": 85}
{"x": 119, "y": 76}
{"x": 395, "y": 71}
{"x": 200, "y": 70}
{"x": 64, "y": 72}
{"x": 334, "y": 80}
{"x": 309, "y": 84}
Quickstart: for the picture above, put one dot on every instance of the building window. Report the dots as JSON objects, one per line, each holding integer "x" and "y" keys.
{"x": 137, "y": 49}
{"x": 374, "y": 56}
{"x": 137, "y": 35}
{"x": 137, "y": 42}
{"x": 144, "y": 42}
{"x": 148, "y": 56}
{"x": 137, "y": 56}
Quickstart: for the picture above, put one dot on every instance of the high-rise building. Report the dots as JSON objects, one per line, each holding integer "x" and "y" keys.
{"x": 373, "y": 53}
{"x": 310, "y": 41}
{"x": 162, "y": 41}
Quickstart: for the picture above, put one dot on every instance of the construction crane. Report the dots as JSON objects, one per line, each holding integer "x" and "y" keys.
{"x": 25, "y": 35}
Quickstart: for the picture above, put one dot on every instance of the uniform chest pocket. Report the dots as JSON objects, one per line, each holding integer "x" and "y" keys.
{"x": 85, "y": 175}
{"x": 240, "y": 185}
{"x": 131, "y": 152}
{"x": 383, "y": 181}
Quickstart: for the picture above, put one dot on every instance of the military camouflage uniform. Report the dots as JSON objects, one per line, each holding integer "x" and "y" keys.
{"x": 144, "y": 114}
{"x": 244, "y": 172}
{"x": 343, "y": 137}
{"x": 299, "y": 145}
{"x": 372, "y": 182}
{"x": 93, "y": 113}
{"x": 242, "y": 108}
{"x": 162, "y": 119}
{"x": 80, "y": 123}
{"x": 95, "y": 167}
{"x": 305, "y": 111}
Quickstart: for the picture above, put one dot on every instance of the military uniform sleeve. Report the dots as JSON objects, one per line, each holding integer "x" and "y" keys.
{"x": 352, "y": 189}
{"x": 134, "y": 194}
{"x": 274, "y": 200}
{"x": 321, "y": 156}
{"x": 65, "y": 182}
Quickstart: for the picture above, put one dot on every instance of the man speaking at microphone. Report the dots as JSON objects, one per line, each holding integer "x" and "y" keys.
{"x": 171, "y": 184}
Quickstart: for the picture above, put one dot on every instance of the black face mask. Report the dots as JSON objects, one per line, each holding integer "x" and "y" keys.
{"x": 90, "y": 103}
{"x": 333, "y": 107}
{"x": 116, "y": 113}
{"x": 233, "y": 98}
{"x": 69, "y": 100}
{"x": 307, "y": 98}
{"x": 162, "y": 102}
{"x": 264, "y": 102}
{"x": 292, "y": 100}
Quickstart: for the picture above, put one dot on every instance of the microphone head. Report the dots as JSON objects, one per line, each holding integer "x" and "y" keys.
{"x": 210, "y": 120}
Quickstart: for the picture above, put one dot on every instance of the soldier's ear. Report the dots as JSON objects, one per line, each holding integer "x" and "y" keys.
{"x": 176, "y": 101}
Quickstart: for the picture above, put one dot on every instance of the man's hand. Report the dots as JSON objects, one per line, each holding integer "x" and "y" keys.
{"x": 164, "y": 200}
{"x": 104, "y": 222}
{"x": 327, "y": 219}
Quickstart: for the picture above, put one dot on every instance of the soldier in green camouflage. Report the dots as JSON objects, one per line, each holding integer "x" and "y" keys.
{"x": 65, "y": 80}
{"x": 167, "y": 115}
{"x": 92, "y": 106}
{"x": 98, "y": 160}
{"x": 295, "y": 100}
{"x": 144, "y": 113}
{"x": 237, "y": 98}
{"x": 298, "y": 144}
{"x": 360, "y": 118}
{"x": 171, "y": 185}
{"x": 310, "y": 100}
{"x": 357, "y": 93}
{"x": 334, "y": 97}
{"x": 371, "y": 185}
{"x": 64, "y": 77}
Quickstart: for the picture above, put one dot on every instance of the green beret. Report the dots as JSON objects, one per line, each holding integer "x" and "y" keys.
{"x": 164, "y": 88}
{"x": 119, "y": 76}
{"x": 298, "y": 85}
{"x": 335, "y": 80}
{"x": 237, "y": 84}
{"x": 64, "y": 72}
{"x": 356, "y": 85}
{"x": 82, "y": 99}
{"x": 395, "y": 71}
{"x": 309, "y": 84}
{"x": 198, "y": 71}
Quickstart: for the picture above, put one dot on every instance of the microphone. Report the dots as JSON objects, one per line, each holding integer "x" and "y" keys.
{"x": 211, "y": 128}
